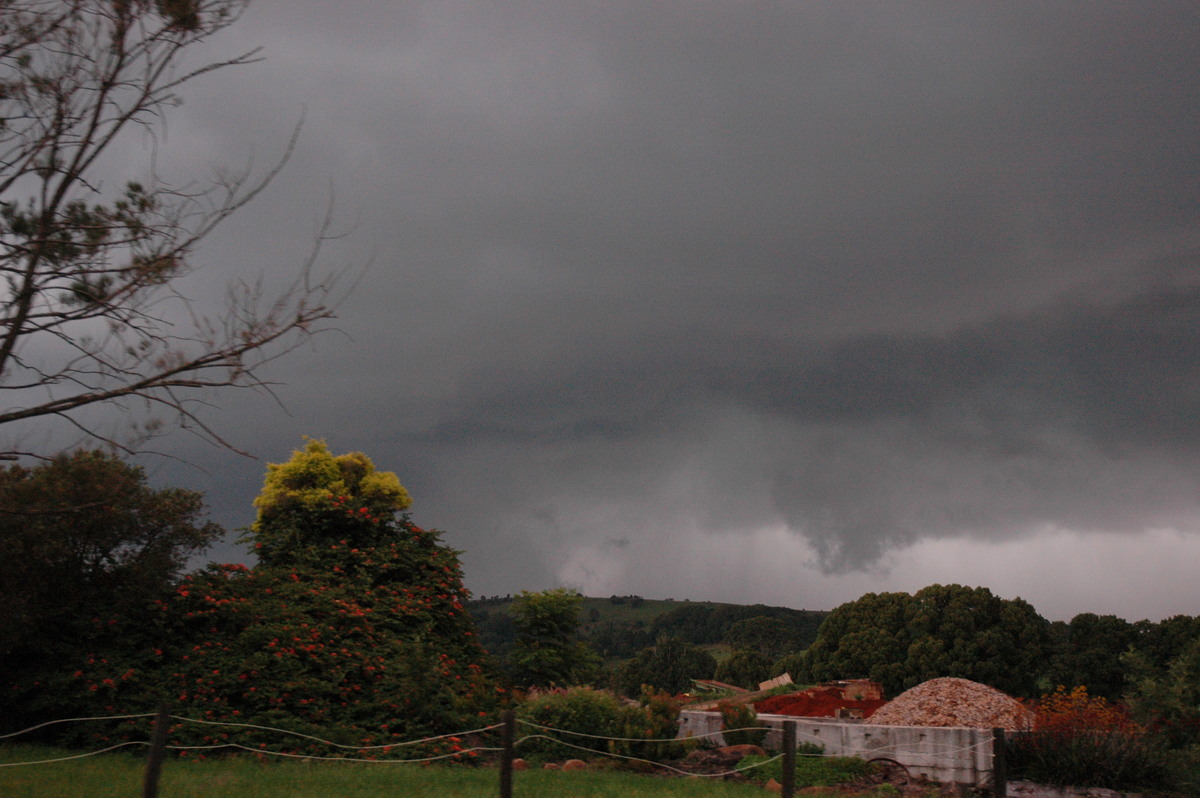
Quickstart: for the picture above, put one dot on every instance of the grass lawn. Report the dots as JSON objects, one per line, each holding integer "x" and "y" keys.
{"x": 119, "y": 775}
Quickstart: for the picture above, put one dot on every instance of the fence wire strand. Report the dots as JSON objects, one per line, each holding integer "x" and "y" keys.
{"x": 74, "y": 756}
{"x": 73, "y": 720}
{"x": 262, "y": 751}
{"x": 338, "y": 745}
{"x": 628, "y": 739}
{"x": 267, "y": 752}
{"x": 639, "y": 759}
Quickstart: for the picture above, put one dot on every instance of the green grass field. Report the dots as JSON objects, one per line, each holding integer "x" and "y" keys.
{"x": 119, "y": 775}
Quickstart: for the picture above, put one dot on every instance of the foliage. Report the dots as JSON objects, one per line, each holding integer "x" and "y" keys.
{"x": 613, "y": 639}
{"x": 767, "y": 635}
{"x": 645, "y": 731}
{"x": 316, "y": 498}
{"x": 744, "y": 669}
{"x": 92, "y": 311}
{"x": 547, "y": 651}
{"x": 1088, "y": 651}
{"x": 588, "y": 712}
{"x": 705, "y": 624}
{"x": 1085, "y": 741}
{"x": 621, "y": 626}
{"x": 813, "y": 769}
{"x": 495, "y": 629}
{"x": 656, "y": 720}
{"x": 364, "y": 644}
{"x": 740, "y": 724}
{"x": 795, "y": 665}
{"x": 901, "y": 640}
{"x": 1167, "y": 699}
{"x": 1161, "y": 642}
{"x": 83, "y": 540}
{"x": 670, "y": 665}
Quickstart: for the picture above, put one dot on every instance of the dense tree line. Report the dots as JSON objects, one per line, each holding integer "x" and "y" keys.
{"x": 351, "y": 626}
{"x": 696, "y": 623}
{"x": 705, "y": 625}
{"x": 900, "y": 640}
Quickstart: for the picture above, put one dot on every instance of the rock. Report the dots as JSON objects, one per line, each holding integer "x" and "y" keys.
{"x": 550, "y": 766}
{"x": 574, "y": 764}
{"x": 773, "y": 786}
{"x": 738, "y": 752}
{"x": 519, "y": 764}
{"x": 709, "y": 759}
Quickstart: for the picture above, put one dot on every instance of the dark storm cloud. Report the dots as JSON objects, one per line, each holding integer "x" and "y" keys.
{"x": 880, "y": 273}
{"x": 1123, "y": 376}
{"x": 1026, "y": 407}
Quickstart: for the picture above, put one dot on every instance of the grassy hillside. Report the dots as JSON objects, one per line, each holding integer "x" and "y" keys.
{"x": 620, "y": 626}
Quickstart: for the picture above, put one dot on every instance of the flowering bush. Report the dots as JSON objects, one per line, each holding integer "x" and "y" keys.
{"x": 740, "y": 724}
{"x": 645, "y": 726}
{"x": 1085, "y": 741}
{"x": 354, "y": 632}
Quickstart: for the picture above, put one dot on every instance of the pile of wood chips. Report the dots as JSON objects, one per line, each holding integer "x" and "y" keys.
{"x": 954, "y": 702}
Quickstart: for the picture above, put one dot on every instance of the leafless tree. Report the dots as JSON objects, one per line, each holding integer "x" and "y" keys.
{"x": 93, "y": 313}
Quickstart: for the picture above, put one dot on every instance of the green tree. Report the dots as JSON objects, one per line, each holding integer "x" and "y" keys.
{"x": 974, "y": 634}
{"x": 1167, "y": 698}
{"x": 93, "y": 312}
{"x": 901, "y": 640}
{"x": 547, "y": 650}
{"x": 83, "y": 537}
{"x": 863, "y": 639}
{"x": 705, "y": 624}
{"x": 794, "y": 665}
{"x": 669, "y": 665}
{"x": 1087, "y": 651}
{"x": 746, "y": 668}
{"x": 1161, "y": 642}
{"x": 769, "y": 636}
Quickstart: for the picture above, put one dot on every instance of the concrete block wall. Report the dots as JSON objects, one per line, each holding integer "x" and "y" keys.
{"x": 959, "y": 755}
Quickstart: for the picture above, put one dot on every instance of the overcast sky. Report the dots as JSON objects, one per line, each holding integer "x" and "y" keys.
{"x": 774, "y": 302}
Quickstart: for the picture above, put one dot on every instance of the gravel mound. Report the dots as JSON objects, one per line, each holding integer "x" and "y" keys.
{"x": 954, "y": 702}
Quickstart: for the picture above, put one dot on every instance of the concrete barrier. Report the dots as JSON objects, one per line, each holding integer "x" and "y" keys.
{"x": 958, "y": 755}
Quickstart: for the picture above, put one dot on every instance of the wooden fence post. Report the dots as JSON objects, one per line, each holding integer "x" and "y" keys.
{"x": 158, "y": 750}
{"x": 999, "y": 765}
{"x": 507, "y": 735}
{"x": 789, "y": 759}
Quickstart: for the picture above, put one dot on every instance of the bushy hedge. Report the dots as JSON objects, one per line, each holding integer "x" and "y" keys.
{"x": 1085, "y": 741}
{"x": 586, "y": 714}
{"x": 597, "y": 723}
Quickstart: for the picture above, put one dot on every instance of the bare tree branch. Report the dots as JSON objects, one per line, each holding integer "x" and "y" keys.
{"x": 92, "y": 312}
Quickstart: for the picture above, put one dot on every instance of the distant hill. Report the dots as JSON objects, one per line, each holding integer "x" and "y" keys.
{"x": 619, "y": 627}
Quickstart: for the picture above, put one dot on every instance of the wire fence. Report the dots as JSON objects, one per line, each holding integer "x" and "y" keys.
{"x": 479, "y": 740}
{"x": 259, "y": 750}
